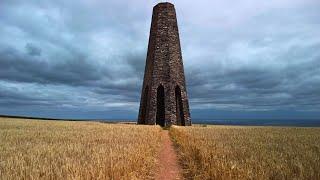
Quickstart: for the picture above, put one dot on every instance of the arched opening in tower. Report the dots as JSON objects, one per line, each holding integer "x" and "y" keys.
{"x": 160, "y": 106}
{"x": 144, "y": 105}
{"x": 179, "y": 107}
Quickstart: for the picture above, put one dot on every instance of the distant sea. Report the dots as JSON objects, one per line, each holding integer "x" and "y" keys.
{"x": 257, "y": 122}
{"x": 250, "y": 122}
{"x": 240, "y": 122}
{"x": 262, "y": 122}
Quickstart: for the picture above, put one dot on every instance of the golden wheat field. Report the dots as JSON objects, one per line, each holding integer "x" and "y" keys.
{"x": 235, "y": 152}
{"x": 35, "y": 149}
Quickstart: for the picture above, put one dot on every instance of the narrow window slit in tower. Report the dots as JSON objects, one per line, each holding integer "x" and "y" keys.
{"x": 179, "y": 107}
{"x": 160, "y": 119}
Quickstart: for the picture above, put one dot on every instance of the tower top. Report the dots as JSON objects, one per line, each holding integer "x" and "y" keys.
{"x": 163, "y": 4}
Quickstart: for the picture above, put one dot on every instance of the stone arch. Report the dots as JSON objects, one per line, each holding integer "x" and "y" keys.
{"x": 144, "y": 105}
{"x": 179, "y": 107}
{"x": 160, "y": 117}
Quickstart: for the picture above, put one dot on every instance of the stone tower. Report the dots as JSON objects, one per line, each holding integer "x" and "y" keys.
{"x": 164, "y": 99}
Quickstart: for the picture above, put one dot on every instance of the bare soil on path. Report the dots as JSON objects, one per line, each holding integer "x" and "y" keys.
{"x": 168, "y": 162}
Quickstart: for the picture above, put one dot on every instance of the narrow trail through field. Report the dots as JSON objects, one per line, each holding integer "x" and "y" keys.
{"x": 168, "y": 162}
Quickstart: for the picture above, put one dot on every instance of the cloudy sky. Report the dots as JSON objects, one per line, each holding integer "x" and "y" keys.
{"x": 85, "y": 58}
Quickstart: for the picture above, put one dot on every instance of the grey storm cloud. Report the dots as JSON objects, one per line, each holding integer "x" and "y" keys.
{"x": 33, "y": 50}
{"x": 89, "y": 56}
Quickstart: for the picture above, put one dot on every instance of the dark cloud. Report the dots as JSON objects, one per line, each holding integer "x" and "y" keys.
{"x": 16, "y": 66}
{"x": 33, "y": 50}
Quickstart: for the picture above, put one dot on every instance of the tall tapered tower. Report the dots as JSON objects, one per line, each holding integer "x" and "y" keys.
{"x": 164, "y": 99}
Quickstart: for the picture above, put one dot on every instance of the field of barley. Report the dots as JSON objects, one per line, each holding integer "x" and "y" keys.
{"x": 238, "y": 152}
{"x": 35, "y": 149}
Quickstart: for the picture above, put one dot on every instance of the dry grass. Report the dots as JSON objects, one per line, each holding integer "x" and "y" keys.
{"x": 33, "y": 149}
{"x": 231, "y": 152}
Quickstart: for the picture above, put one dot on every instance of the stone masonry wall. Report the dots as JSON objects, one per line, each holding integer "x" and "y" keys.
{"x": 164, "y": 67}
